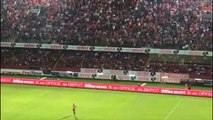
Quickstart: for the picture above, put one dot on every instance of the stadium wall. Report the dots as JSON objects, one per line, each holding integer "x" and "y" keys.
{"x": 106, "y": 74}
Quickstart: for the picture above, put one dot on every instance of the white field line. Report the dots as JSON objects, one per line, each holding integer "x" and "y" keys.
{"x": 43, "y": 78}
{"x": 143, "y": 84}
{"x": 177, "y": 105}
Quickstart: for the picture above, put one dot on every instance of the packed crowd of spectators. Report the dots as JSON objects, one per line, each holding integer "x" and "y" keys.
{"x": 74, "y": 60}
{"x": 197, "y": 71}
{"x": 28, "y": 59}
{"x": 103, "y": 60}
{"x": 180, "y": 68}
{"x": 128, "y": 23}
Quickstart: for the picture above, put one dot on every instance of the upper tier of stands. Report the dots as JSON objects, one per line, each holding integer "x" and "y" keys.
{"x": 171, "y": 24}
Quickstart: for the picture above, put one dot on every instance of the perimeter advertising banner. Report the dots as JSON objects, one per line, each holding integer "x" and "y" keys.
{"x": 106, "y": 49}
{"x": 113, "y": 87}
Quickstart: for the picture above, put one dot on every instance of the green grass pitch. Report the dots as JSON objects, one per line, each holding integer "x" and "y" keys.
{"x": 22, "y": 102}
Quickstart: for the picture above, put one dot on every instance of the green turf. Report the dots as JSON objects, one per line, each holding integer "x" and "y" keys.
{"x": 119, "y": 82}
{"x": 22, "y": 102}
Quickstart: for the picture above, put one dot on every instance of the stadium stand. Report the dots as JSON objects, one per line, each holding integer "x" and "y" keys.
{"x": 75, "y": 60}
{"x": 173, "y": 24}
{"x": 28, "y": 58}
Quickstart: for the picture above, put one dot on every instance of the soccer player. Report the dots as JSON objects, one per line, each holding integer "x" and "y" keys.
{"x": 186, "y": 86}
{"x": 73, "y": 108}
{"x": 189, "y": 87}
